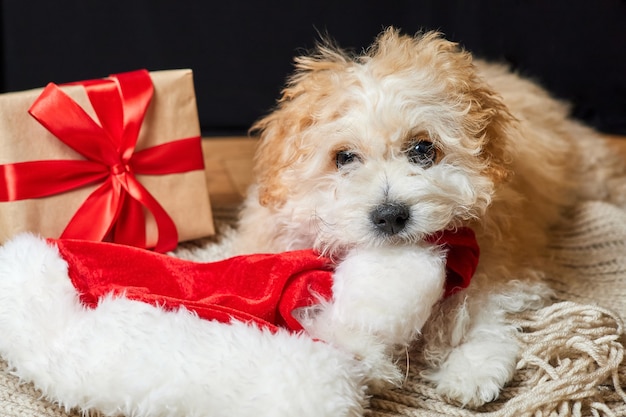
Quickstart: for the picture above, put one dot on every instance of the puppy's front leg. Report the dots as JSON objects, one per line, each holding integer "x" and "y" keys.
{"x": 478, "y": 354}
{"x": 381, "y": 298}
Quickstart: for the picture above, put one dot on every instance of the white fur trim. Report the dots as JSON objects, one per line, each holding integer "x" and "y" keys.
{"x": 131, "y": 358}
{"x": 382, "y": 297}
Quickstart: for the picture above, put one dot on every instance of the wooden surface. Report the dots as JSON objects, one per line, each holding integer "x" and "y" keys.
{"x": 228, "y": 166}
{"x": 228, "y": 162}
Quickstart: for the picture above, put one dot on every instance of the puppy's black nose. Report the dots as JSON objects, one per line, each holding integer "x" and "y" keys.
{"x": 390, "y": 218}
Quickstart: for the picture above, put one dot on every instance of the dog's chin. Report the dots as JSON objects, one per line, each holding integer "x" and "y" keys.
{"x": 337, "y": 245}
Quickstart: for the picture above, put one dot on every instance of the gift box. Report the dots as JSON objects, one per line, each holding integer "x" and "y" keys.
{"x": 115, "y": 159}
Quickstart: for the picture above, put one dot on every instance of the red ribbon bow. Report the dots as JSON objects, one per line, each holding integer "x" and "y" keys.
{"x": 115, "y": 209}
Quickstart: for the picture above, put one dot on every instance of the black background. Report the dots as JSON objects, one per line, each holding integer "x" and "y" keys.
{"x": 241, "y": 51}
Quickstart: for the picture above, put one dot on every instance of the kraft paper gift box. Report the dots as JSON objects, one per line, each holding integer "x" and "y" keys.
{"x": 116, "y": 159}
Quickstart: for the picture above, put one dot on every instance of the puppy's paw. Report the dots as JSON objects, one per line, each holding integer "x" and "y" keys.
{"x": 474, "y": 373}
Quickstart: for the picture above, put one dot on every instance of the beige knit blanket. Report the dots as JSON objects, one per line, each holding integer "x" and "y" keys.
{"x": 572, "y": 362}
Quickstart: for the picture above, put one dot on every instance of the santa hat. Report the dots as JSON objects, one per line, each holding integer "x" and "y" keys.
{"x": 126, "y": 331}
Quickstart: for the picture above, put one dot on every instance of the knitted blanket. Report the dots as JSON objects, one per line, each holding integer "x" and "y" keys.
{"x": 572, "y": 351}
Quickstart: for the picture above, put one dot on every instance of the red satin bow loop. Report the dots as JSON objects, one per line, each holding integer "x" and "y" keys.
{"x": 115, "y": 209}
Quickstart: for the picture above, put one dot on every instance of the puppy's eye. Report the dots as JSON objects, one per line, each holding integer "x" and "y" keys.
{"x": 422, "y": 153}
{"x": 346, "y": 157}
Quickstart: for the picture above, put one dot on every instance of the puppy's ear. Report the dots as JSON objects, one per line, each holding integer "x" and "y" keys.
{"x": 282, "y": 133}
{"x": 278, "y": 149}
{"x": 491, "y": 122}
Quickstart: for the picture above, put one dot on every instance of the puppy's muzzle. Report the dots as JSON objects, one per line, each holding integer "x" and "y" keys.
{"x": 390, "y": 218}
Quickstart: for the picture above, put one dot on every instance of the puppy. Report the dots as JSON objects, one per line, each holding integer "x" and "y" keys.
{"x": 365, "y": 156}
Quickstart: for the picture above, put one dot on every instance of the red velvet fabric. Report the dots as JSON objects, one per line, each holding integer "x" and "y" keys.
{"x": 462, "y": 258}
{"x": 262, "y": 288}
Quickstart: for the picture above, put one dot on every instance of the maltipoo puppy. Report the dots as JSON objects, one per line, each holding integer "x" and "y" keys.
{"x": 367, "y": 157}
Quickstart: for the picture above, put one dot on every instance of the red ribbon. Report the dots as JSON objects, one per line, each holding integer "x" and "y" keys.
{"x": 115, "y": 210}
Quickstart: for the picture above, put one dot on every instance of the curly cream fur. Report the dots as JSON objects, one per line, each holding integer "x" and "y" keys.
{"x": 509, "y": 161}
